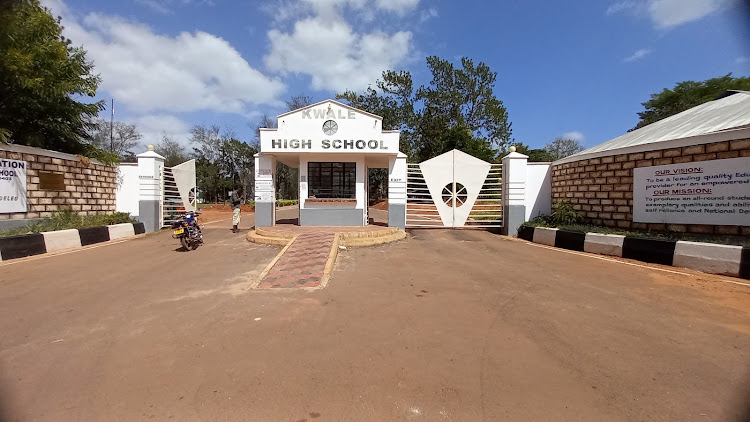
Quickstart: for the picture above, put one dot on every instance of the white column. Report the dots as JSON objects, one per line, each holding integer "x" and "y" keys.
{"x": 150, "y": 195}
{"x": 514, "y": 191}
{"x": 265, "y": 190}
{"x": 397, "y": 191}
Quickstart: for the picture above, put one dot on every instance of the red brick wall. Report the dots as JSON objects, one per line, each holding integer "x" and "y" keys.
{"x": 601, "y": 189}
{"x": 89, "y": 188}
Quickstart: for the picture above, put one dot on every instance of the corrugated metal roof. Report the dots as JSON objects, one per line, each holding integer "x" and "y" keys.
{"x": 728, "y": 112}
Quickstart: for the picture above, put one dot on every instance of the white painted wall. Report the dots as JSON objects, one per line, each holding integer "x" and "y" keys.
{"x": 538, "y": 189}
{"x": 128, "y": 194}
{"x": 305, "y": 127}
{"x": 397, "y": 175}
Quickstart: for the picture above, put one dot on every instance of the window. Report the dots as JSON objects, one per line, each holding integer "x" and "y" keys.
{"x": 332, "y": 180}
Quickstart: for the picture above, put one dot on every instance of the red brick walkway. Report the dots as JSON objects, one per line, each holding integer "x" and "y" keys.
{"x": 302, "y": 264}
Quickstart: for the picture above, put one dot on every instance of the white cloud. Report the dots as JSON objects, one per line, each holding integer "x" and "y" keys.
{"x": 669, "y": 13}
{"x": 639, "y": 54}
{"x": 153, "y": 127}
{"x": 575, "y": 135}
{"x": 620, "y": 7}
{"x": 399, "y": 6}
{"x": 428, "y": 14}
{"x": 743, "y": 59}
{"x": 166, "y": 7}
{"x": 666, "y": 14}
{"x": 325, "y": 46}
{"x": 157, "y": 6}
{"x": 151, "y": 72}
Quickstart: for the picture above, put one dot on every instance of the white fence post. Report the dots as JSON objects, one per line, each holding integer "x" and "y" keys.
{"x": 150, "y": 167}
{"x": 265, "y": 190}
{"x": 514, "y": 191}
{"x": 397, "y": 191}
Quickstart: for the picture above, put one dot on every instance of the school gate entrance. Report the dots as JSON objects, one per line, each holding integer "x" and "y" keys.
{"x": 454, "y": 190}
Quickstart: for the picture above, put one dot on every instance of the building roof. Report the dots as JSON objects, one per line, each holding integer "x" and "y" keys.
{"x": 729, "y": 112}
{"x": 330, "y": 102}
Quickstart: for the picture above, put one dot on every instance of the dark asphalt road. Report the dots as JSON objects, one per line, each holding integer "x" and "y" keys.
{"x": 443, "y": 326}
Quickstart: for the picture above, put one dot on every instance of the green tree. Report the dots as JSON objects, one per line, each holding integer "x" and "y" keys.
{"x": 237, "y": 163}
{"x": 458, "y": 109}
{"x": 124, "y": 137}
{"x": 685, "y": 95}
{"x": 393, "y": 100}
{"x": 465, "y": 97}
{"x": 172, "y": 151}
{"x": 41, "y": 75}
{"x": 540, "y": 155}
{"x": 562, "y": 147}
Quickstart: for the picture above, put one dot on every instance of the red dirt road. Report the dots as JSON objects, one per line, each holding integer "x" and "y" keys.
{"x": 443, "y": 326}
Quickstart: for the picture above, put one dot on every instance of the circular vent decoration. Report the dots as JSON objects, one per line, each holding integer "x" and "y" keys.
{"x": 460, "y": 194}
{"x": 330, "y": 127}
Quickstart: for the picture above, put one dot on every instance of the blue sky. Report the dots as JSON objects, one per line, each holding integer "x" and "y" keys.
{"x": 579, "y": 68}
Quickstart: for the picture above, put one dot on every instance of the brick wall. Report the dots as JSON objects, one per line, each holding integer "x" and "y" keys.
{"x": 601, "y": 189}
{"x": 89, "y": 186}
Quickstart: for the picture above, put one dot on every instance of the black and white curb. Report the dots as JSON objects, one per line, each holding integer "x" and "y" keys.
{"x": 39, "y": 243}
{"x": 707, "y": 257}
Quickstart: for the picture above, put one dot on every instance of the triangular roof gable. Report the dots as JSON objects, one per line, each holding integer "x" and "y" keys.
{"x": 318, "y": 104}
{"x": 450, "y": 155}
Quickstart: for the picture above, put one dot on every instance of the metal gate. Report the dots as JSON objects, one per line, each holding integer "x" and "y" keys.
{"x": 178, "y": 191}
{"x": 454, "y": 189}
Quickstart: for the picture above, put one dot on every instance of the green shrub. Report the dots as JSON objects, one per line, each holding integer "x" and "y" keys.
{"x": 67, "y": 219}
{"x": 563, "y": 213}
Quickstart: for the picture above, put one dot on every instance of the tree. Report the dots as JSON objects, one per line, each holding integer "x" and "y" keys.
{"x": 465, "y": 96}
{"x": 458, "y": 109}
{"x": 222, "y": 162}
{"x": 206, "y": 141}
{"x": 685, "y": 95}
{"x": 125, "y": 137}
{"x": 287, "y": 178}
{"x": 540, "y": 155}
{"x": 172, "y": 151}
{"x": 41, "y": 75}
{"x": 563, "y": 147}
{"x": 298, "y": 101}
{"x": 237, "y": 163}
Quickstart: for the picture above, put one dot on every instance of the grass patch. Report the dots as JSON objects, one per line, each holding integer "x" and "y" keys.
{"x": 286, "y": 202}
{"x": 66, "y": 219}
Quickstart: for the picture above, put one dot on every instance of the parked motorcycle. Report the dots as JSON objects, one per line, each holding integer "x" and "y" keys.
{"x": 186, "y": 229}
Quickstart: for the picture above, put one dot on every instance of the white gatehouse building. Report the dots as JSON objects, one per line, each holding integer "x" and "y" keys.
{"x": 333, "y": 145}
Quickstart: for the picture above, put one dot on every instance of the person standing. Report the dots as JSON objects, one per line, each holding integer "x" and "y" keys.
{"x": 235, "y": 199}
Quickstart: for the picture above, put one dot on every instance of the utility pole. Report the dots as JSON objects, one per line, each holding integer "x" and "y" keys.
{"x": 111, "y": 128}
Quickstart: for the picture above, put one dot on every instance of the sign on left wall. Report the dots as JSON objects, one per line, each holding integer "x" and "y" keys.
{"x": 12, "y": 186}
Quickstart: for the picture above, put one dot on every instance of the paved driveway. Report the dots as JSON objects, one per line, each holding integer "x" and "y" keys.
{"x": 444, "y": 326}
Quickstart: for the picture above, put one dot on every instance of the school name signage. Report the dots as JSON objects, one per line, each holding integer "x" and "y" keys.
{"x": 12, "y": 186}
{"x": 359, "y": 145}
{"x": 708, "y": 192}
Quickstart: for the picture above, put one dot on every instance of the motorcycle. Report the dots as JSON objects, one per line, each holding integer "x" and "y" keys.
{"x": 186, "y": 229}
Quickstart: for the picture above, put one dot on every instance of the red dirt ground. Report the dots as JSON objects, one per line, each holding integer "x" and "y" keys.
{"x": 382, "y": 205}
{"x": 227, "y": 208}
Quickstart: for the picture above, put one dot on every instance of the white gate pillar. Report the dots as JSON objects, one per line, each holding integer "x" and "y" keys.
{"x": 397, "y": 191}
{"x": 265, "y": 190}
{"x": 150, "y": 195}
{"x": 514, "y": 191}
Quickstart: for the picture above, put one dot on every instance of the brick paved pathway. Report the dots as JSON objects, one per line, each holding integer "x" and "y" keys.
{"x": 302, "y": 264}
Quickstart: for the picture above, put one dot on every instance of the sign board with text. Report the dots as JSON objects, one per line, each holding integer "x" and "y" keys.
{"x": 329, "y": 127}
{"x": 707, "y": 192}
{"x": 12, "y": 186}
